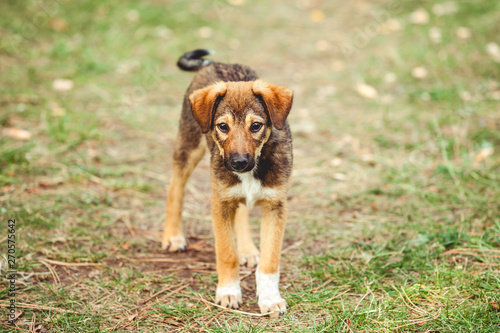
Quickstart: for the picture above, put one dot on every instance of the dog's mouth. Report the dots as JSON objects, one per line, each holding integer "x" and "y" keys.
{"x": 239, "y": 163}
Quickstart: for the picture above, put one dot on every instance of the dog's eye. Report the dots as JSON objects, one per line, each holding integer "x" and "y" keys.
{"x": 255, "y": 127}
{"x": 223, "y": 127}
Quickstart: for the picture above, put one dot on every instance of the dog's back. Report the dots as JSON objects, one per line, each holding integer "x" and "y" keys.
{"x": 210, "y": 72}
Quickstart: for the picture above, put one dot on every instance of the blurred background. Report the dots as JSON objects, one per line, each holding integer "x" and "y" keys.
{"x": 396, "y": 124}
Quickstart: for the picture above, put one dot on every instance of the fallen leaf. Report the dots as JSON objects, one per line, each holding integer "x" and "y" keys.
{"x": 494, "y": 51}
{"x": 237, "y": 2}
{"x": 336, "y": 162}
{"x": 337, "y": 65}
{"x": 132, "y": 15}
{"x": 464, "y": 33}
{"x": 483, "y": 154}
{"x": 58, "y": 111}
{"x": 390, "y": 77}
{"x": 16, "y": 133}
{"x": 435, "y": 35}
{"x": 62, "y": 84}
{"x": 391, "y": 25}
{"x": 6, "y": 188}
{"x": 317, "y": 16}
{"x": 17, "y": 314}
{"x": 205, "y": 32}
{"x": 322, "y": 45}
{"x": 420, "y": 16}
{"x": 419, "y": 72}
{"x": 339, "y": 176}
{"x": 366, "y": 157}
{"x": 58, "y": 24}
{"x": 48, "y": 182}
{"x": 495, "y": 95}
{"x": 366, "y": 91}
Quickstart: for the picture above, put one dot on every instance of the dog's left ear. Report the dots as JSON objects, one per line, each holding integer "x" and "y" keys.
{"x": 278, "y": 101}
{"x": 203, "y": 101}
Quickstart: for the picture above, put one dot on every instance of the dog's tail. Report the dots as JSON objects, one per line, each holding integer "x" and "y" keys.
{"x": 192, "y": 61}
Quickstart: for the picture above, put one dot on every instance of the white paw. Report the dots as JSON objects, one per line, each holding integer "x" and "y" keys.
{"x": 273, "y": 304}
{"x": 173, "y": 243}
{"x": 229, "y": 295}
{"x": 269, "y": 298}
{"x": 249, "y": 260}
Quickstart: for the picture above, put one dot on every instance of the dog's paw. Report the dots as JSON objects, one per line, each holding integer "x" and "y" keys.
{"x": 229, "y": 296}
{"x": 249, "y": 260}
{"x": 269, "y": 298}
{"x": 173, "y": 243}
{"x": 272, "y": 304}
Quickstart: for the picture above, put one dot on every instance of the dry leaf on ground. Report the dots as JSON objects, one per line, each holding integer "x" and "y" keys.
{"x": 366, "y": 91}
{"x": 16, "y": 133}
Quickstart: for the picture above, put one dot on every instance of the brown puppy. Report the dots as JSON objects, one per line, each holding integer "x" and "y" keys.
{"x": 244, "y": 122}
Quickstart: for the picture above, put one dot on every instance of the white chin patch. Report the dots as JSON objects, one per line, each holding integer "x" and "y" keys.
{"x": 268, "y": 289}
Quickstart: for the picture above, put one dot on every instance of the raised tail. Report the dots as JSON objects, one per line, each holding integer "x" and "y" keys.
{"x": 192, "y": 61}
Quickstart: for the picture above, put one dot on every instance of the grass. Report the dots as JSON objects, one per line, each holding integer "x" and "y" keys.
{"x": 394, "y": 222}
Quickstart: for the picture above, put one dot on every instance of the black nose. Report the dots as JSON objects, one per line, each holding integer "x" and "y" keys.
{"x": 240, "y": 162}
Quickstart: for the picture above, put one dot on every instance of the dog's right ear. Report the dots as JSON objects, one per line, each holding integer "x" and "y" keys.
{"x": 278, "y": 101}
{"x": 203, "y": 102}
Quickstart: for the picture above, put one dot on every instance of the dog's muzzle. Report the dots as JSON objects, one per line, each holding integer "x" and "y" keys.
{"x": 240, "y": 162}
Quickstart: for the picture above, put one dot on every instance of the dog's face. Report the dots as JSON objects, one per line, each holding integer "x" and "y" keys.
{"x": 240, "y": 116}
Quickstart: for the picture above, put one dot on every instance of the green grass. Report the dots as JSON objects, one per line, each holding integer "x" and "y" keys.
{"x": 394, "y": 223}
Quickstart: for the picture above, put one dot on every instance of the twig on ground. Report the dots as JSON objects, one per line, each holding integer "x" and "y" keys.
{"x": 35, "y": 306}
{"x": 293, "y": 246}
{"x": 166, "y": 289}
{"x": 466, "y": 251}
{"x": 57, "y": 280}
{"x": 61, "y": 263}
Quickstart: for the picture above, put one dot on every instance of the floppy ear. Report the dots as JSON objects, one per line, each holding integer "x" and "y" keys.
{"x": 203, "y": 101}
{"x": 278, "y": 101}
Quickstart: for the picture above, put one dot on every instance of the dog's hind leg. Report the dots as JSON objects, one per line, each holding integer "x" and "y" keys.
{"x": 248, "y": 253}
{"x": 190, "y": 148}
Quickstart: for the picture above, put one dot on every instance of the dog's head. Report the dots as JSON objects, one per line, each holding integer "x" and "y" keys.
{"x": 240, "y": 116}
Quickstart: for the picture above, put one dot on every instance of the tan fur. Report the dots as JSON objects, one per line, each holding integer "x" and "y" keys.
{"x": 248, "y": 252}
{"x": 173, "y": 237}
{"x": 271, "y": 236}
{"x": 278, "y": 101}
{"x": 237, "y": 100}
{"x": 202, "y": 102}
{"x": 223, "y": 214}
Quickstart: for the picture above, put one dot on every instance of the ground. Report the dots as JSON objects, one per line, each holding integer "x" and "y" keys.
{"x": 394, "y": 221}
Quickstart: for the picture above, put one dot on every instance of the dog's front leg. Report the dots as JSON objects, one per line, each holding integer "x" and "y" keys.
{"x": 228, "y": 288}
{"x": 267, "y": 274}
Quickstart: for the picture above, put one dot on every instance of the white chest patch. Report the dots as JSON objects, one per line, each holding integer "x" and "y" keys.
{"x": 251, "y": 189}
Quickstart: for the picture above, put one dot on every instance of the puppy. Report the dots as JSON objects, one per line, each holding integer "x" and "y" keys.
{"x": 243, "y": 120}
